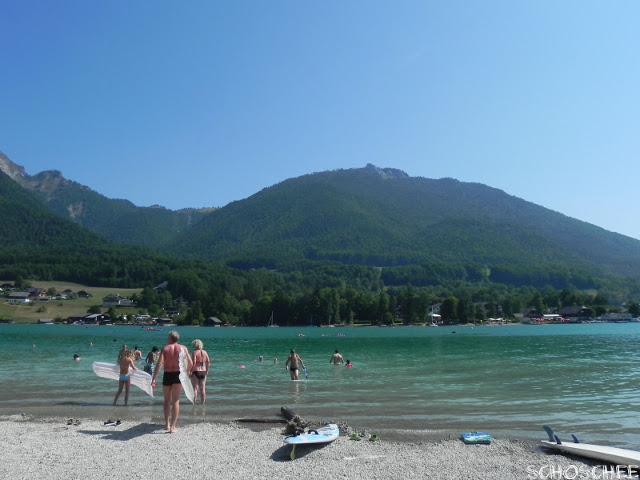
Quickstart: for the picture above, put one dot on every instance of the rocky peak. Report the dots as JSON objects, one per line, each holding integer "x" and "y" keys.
{"x": 16, "y": 172}
{"x": 386, "y": 172}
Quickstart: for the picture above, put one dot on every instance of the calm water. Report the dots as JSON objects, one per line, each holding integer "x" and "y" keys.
{"x": 510, "y": 380}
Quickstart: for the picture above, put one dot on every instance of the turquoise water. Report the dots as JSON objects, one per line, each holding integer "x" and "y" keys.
{"x": 507, "y": 380}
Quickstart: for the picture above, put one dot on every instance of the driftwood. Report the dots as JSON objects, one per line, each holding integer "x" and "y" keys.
{"x": 262, "y": 420}
{"x": 295, "y": 424}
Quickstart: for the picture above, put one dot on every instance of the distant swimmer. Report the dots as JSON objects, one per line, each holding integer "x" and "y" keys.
{"x": 261, "y": 358}
{"x": 292, "y": 364}
{"x": 76, "y": 357}
{"x": 348, "y": 365}
{"x": 336, "y": 358}
{"x": 137, "y": 354}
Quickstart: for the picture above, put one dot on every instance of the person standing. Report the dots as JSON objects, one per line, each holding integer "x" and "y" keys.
{"x": 151, "y": 360}
{"x": 292, "y": 364}
{"x": 171, "y": 386}
{"x": 125, "y": 362}
{"x": 336, "y": 358}
{"x": 137, "y": 353}
{"x": 200, "y": 370}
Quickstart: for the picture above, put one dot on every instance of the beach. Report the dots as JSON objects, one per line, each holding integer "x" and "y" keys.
{"x": 49, "y": 448}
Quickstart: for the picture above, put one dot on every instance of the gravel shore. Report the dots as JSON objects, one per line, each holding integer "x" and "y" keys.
{"x": 49, "y": 448}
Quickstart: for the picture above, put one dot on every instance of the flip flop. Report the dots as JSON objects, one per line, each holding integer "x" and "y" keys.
{"x": 374, "y": 438}
{"x": 355, "y": 436}
{"x": 77, "y": 422}
{"x": 70, "y": 421}
{"x": 109, "y": 423}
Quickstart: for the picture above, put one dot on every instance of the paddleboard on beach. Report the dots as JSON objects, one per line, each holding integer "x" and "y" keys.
{"x": 612, "y": 455}
{"x": 325, "y": 434}
{"x": 185, "y": 380}
{"x": 140, "y": 379}
{"x": 475, "y": 438}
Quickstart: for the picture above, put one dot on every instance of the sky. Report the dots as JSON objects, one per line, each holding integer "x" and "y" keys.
{"x": 201, "y": 103}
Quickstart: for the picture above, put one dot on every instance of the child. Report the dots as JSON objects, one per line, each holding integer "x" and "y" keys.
{"x": 348, "y": 365}
{"x": 125, "y": 361}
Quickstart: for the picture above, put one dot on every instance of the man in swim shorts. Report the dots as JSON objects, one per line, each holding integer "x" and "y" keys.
{"x": 171, "y": 386}
{"x": 292, "y": 364}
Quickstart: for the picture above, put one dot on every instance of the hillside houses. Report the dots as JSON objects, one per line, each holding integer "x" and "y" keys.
{"x": 116, "y": 300}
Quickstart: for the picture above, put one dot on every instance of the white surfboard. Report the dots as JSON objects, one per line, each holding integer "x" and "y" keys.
{"x": 326, "y": 434}
{"x": 139, "y": 378}
{"x": 612, "y": 455}
{"x": 185, "y": 380}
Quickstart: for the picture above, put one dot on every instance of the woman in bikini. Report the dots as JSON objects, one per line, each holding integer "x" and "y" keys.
{"x": 200, "y": 370}
{"x": 125, "y": 361}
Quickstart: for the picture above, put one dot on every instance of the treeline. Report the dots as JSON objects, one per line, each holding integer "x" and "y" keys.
{"x": 247, "y": 302}
{"x": 319, "y": 292}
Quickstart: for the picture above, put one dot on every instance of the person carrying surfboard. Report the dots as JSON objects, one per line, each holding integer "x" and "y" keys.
{"x": 125, "y": 361}
{"x": 292, "y": 364}
{"x": 171, "y": 383}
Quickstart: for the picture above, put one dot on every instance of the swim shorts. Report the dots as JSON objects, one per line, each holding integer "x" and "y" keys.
{"x": 199, "y": 374}
{"x": 170, "y": 378}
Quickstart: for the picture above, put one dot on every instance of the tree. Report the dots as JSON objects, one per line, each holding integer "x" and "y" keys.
{"x": 94, "y": 309}
{"x": 634, "y": 309}
{"x": 448, "y": 309}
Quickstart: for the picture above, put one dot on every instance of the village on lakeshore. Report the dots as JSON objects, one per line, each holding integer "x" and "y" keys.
{"x": 117, "y": 309}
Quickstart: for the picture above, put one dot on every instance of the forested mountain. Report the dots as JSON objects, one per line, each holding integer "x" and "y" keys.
{"x": 365, "y": 244}
{"x": 36, "y": 244}
{"x": 384, "y": 218}
{"x": 413, "y": 230}
{"x": 114, "y": 219}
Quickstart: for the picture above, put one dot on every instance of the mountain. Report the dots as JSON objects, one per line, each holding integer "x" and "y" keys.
{"x": 384, "y": 218}
{"x": 114, "y": 219}
{"x": 412, "y": 229}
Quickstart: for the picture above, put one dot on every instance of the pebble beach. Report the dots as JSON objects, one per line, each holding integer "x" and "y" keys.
{"x": 50, "y": 448}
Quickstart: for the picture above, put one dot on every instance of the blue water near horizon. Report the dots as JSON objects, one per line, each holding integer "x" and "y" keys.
{"x": 507, "y": 380}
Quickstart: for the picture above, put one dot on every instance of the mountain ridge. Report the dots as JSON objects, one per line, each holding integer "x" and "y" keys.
{"x": 368, "y": 216}
{"x": 115, "y": 219}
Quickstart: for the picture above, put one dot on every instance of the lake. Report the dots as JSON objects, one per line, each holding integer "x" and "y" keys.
{"x": 506, "y": 380}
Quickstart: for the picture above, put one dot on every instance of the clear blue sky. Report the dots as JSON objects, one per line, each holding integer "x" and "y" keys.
{"x": 200, "y": 103}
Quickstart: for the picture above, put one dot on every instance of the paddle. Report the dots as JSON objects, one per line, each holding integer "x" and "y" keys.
{"x": 304, "y": 369}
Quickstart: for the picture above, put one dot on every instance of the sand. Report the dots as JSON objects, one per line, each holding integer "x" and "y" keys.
{"x": 48, "y": 448}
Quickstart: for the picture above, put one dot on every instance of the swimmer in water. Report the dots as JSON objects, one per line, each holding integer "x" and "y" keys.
{"x": 349, "y": 365}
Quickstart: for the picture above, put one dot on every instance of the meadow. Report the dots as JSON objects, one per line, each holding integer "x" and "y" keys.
{"x": 35, "y": 310}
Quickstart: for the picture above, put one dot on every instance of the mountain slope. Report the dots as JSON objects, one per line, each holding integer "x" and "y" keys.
{"x": 36, "y": 244}
{"x": 114, "y": 219}
{"x": 383, "y": 217}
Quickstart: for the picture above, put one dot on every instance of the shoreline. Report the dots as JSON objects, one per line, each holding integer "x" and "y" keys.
{"x": 46, "y": 447}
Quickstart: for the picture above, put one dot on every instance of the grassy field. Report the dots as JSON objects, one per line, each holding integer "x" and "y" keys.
{"x": 31, "y": 312}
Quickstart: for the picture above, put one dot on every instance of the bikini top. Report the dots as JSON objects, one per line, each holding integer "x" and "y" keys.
{"x": 201, "y": 361}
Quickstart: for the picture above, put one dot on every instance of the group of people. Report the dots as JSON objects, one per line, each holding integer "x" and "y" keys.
{"x": 294, "y": 360}
{"x": 336, "y": 359}
{"x": 168, "y": 359}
